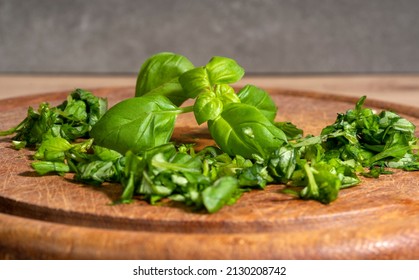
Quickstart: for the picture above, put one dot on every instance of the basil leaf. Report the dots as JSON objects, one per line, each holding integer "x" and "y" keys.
{"x": 207, "y": 107}
{"x": 243, "y": 130}
{"x": 256, "y": 175}
{"x": 410, "y": 162}
{"x": 105, "y": 154}
{"x": 44, "y": 167}
{"x": 136, "y": 124}
{"x": 177, "y": 163}
{"x": 282, "y": 162}
{"x": 195, "y": 82}
{"x": 75, "y": 110}
{"x": 226, "y": 94}
{"x": 390, "y": 119}
{"x": 260, "y": 99}
{"x": 96, "y": 172}
{"x": 223, "y": 70}
{"x": 131, "y": 176}
{"x": 159, "y": 76}
{"x": 395, "y": 149}
{"x": 217, "y": 195}
{"x": 52, "y": 149}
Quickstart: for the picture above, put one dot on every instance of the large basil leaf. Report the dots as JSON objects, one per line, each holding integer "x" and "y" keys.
{"x": 136, "y": 124}
{"x": 260, "y": 99}
{"x": 243, "y": 130}
{"x": 159, "y": 76}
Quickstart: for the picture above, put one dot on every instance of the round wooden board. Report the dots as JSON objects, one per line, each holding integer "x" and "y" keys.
{"x": 51, "y": 217}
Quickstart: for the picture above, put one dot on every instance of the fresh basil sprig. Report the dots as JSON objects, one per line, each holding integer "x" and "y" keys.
{"x": 143, "y": 122}
{"x": 241, "y": 124}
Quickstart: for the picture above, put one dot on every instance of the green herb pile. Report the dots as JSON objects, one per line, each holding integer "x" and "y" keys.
{"x": 130, "y": 143}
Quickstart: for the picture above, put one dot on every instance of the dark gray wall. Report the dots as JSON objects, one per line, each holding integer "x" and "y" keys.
{"x": 265, "y": 36}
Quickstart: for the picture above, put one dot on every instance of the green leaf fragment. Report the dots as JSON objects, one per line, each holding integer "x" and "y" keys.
{"x": 45, "y": 167}
{"x": 217, "y": 195}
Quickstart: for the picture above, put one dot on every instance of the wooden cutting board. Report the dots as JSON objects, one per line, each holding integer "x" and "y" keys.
{"x": 51, "y": 217}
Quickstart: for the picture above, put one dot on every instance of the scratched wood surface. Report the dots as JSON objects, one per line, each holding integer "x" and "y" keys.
{"x": 52, "y": 217}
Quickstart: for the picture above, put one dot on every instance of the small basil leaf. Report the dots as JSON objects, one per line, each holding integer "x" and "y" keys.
{"x": 75, "y": 111}
{"x": 45, "y": 167}
{"x": 226, "y": 94}
{"x": 396, "y": 149}
{"x": 207, "y": 107}
{"x": 282, "y": 162}
{"x": 195, "y": 82}
{"x": 255, "y": 176}
{"x": 132, "y": 175}
{"x": 95, "y": 172}
{"x": 136, "y": 124}
{"x": 52, "y": 149}
{"x": 409, "y": 162}
{"x": 176, "y": 163}
{"x": 159, "y": 76}
{"x": 398, "y": 123}
{"x": 106, "y": 154}
{"x": 260, "y": 99}
{"x": 223, "y": 70}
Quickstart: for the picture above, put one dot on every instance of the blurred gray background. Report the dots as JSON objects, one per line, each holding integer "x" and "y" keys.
{"x": 264, "y": 36}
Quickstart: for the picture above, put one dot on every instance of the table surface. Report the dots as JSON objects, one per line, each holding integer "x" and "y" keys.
{"x": 400, "y": 89}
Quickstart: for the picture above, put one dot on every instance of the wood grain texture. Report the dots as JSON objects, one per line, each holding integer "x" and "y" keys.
{"x": 52, "y": 217}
